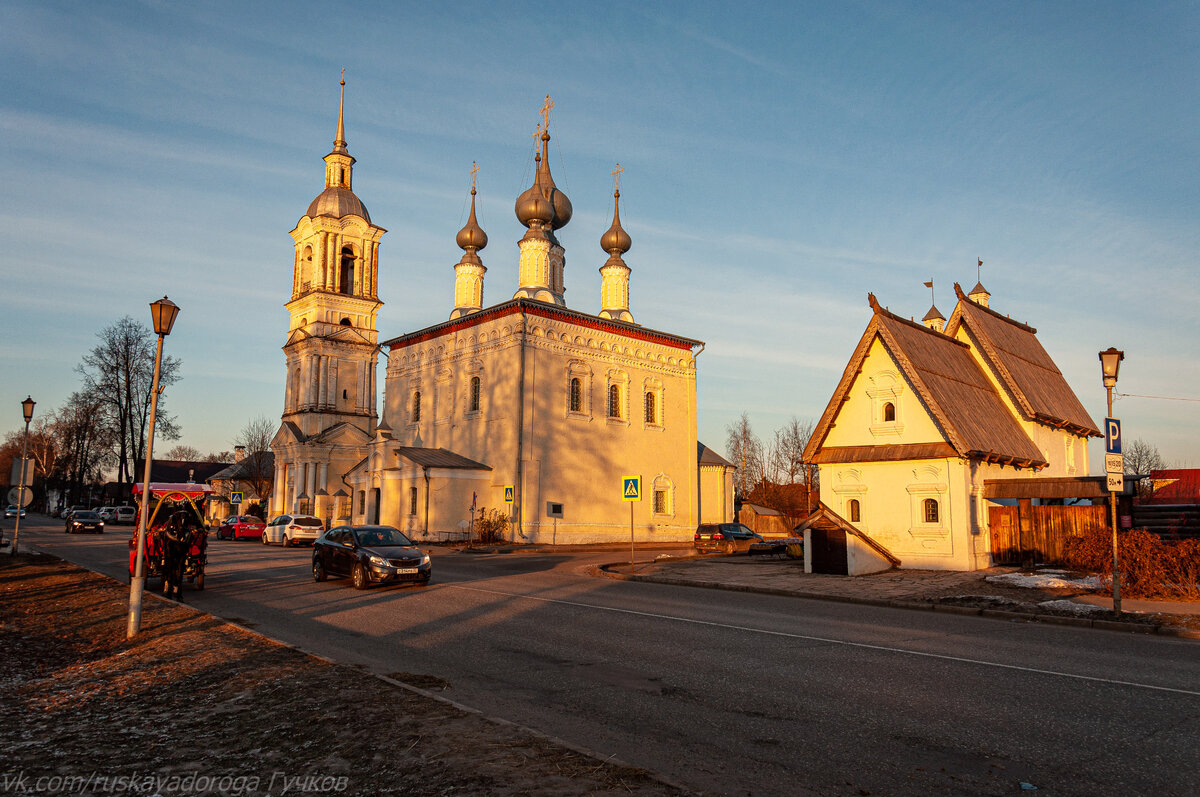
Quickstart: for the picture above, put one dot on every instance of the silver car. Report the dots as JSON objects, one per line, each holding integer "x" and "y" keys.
{"x": 292, "y": 529}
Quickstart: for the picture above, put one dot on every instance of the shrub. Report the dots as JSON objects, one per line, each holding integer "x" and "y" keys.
{"x": 490, "y": 526}
{"x": 1150, "y": 568}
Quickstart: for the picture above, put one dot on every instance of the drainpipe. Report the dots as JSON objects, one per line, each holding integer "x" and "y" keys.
{"x": 696, "y": 357}
{"x": 520, "y": 486}
{"x": 426, "y": 500}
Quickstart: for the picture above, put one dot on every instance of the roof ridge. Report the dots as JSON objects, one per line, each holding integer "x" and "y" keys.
{"x": 962, "y": 297}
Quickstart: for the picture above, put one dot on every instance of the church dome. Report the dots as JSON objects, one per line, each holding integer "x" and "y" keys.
{"x": 337, "y": 201}
{"x": 543, "y": 201}
{"x": 532, "y": 205}
{"x": 472, "y": 237}
{"x": 616, "y": 240}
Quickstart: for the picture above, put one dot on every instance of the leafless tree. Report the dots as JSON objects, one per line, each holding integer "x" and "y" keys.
{"x": 119, "y": 372}
{"x": 85, "y": 445}
{"x": 1140, "y": 458}
{"x": 258, "y": 466}
{"x": 182, "y": 452}
{"x": 744, "y": 450}
{"x": 218, "y": 456}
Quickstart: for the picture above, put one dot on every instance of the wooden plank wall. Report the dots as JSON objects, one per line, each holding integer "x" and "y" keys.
{"x": 1052, "y": 527}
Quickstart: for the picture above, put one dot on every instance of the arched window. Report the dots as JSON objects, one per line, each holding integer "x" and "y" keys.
{"x": 931, "y": 510}
{"x": 347, "y": 271}
{"x": 474, "y": 403}
{"x": 412, "y": 500}
{"x": 416, "y": 406}
{"x": 576, "y": 398}
{"x": 614, "y": 401}
{"x": 651, "y": 409}
{"x": 346, "y": 322}
{"x": 889, "y": 412}
{"x": 855, "y": 510}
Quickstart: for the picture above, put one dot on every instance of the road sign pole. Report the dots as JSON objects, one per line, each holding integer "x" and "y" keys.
{"x": 1112, "y": 498}
{"x": 631, "y": 565}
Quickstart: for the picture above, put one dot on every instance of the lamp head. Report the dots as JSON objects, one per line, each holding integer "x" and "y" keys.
{"x": 1110, "y": 364}
{"x": 27, "y": 408}
{"x": 163, "y": 313}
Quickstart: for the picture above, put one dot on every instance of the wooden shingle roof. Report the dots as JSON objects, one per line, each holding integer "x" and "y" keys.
{"x": 948, "y": 381}
{"x": 1018, "y": 361}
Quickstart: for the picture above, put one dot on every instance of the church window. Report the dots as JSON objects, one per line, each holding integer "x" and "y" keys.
{"x": 651, "y": 409}
{"x": 346, "y": 322}
{"x": 416, "y": 406}
{"x": 347, "y": 271}
{"x": 662, "y": 494}
{"x": 614, "y": 401}
{"x": 660, "y": 502}
{"x": 889, "y": 412}
{"x": 412, "y": 500}
{"x": 474, "y": 403}
{"x": 576, "y": 402}
{"x": 345, "y": 394}
{"x": 854, "y": 509}
{"x": 931, "y": 510}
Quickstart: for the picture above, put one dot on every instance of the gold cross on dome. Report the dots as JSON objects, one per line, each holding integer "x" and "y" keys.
{"x": 616, "y": 173}
{"x": 343, "y": 76}
{"x": 474, "y": 171}
{"x": 545, "y": 112}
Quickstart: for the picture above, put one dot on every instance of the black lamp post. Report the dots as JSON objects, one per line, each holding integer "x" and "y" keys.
{"x": 163, "y": 313}
{"x": 1110, "y": 365}
{"x": 27, "y": 409}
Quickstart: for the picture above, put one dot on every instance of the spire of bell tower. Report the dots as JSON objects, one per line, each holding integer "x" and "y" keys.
{"x": 339, "y": 141}
{"x": 614, "y": 274}
{"x": 339, "y": 165}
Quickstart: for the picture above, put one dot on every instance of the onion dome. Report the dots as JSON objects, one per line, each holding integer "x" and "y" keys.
{"x": 543, "y": 201}
{"x": 472, "y": 238}
{"x": 337, "y": 201}
{"x": 616, "y": 241}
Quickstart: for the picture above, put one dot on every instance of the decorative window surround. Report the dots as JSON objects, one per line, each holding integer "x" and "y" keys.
{"x": 620, "y": 380}
{"x": 653, "y": 387}
{"x": 848, "y": 485}
{"x": 927, "y": 484}
{"x": 578, "y": 369}
{"x": 886, "y": 388}
{"x": 663, "y": 489}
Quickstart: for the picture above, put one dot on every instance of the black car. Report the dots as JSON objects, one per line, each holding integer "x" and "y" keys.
{"x": 84, "y": 520}
{"x": 370, "y": 555}
{"x": 726, "y": 537}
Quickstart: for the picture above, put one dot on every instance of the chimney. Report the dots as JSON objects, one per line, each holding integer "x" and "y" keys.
{"x": 239, "y": 453}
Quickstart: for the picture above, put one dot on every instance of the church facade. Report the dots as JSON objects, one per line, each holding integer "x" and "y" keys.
{"x": 528, "y": 407}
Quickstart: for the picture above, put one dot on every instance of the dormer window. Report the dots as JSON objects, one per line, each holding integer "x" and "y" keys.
{"x": 885, "y": 391}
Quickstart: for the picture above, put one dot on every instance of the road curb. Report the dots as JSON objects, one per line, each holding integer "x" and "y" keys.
{"x": 604, "y": 571}
{"x": 575, "y": 748}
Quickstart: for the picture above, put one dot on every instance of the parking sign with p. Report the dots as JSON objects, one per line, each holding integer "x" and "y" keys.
{"x": 1112, "y": 435}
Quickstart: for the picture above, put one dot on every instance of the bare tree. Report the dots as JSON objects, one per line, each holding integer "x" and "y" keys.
{"x": 85, "y": 445}
{"x": 218, "y": 456}
{"x": 182, "y": 452}
{"x": 258, "y": 465}
{"x": 1140, "y": 458}
{"x": 744, "y": 450}
{"x": 119, "y": 372}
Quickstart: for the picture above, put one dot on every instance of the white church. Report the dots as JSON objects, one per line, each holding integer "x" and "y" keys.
{"x": 528, "y": 406}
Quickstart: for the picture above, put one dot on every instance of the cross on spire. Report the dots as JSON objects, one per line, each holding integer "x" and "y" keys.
{"x": 616, "y": 174}
{"x": 979, "y": 270}
{"x": 545, "y": 112}
{"x": 474, "y": 171}
{"x": 343, "y": 76}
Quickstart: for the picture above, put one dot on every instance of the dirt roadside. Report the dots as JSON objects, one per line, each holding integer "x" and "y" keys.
{"x": 195, "y": 706}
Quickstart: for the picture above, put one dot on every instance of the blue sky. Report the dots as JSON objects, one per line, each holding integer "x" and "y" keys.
{"x": 781, "y": 160}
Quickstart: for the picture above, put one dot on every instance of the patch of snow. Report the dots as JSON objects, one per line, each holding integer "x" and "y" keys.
{"x": 1044, "y": 581}
{"x": 990, "y": 598}
{"x": 1071, "y": 606}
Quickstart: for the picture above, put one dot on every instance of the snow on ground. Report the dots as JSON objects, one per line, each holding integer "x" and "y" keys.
{"x": 1071, "y": 606}
{"x": 1045, "y": 580}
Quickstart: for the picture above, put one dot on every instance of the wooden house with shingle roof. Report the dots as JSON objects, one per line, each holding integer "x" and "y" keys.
{"x": 921, "y": 418}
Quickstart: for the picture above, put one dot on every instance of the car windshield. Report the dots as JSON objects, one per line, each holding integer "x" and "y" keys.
{"x": 307, "y": 521}
{"x": 86, "y": 516}
{"x": 248, "y": 519}
{"x": 381, "y": 535}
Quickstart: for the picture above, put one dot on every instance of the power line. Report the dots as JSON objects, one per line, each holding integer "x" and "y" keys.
{"x": 1164, "y": 398}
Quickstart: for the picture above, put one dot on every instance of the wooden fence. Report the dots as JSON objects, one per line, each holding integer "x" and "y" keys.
{"x": 1047, "y": 530}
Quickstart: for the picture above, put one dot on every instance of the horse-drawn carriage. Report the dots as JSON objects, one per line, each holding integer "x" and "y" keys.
{"x": 173, "y": 508}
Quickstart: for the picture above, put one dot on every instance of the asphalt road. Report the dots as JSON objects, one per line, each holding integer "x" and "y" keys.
{"x": 737, "y": 693}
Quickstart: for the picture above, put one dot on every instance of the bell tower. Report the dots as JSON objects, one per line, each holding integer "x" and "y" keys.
{"x": 332, "y": 338}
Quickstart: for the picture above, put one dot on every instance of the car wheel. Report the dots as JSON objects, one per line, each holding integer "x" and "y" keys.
{"x": 287, "y": 543}
{"x": 361, "y": 579}
{"x": 319, "y": 573}
{"x": 264, "y": 538}
{"x": 730, "y": 547}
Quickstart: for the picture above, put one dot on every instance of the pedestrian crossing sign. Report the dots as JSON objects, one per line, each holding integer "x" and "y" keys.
{"x": 631, "y": 488}
{"x": 508, "y": 493}
{"x": 235, "y": 497}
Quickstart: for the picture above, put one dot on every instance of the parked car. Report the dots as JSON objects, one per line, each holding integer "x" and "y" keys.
{"x": 370, "y": 555}
{"x": 84, "y": 520}
{"x": 108, "y": 513}
{"x": 126, "y": 514}
{"x": 77, "y": 508}
{"x": 725, "y": 537}
{"x": 239, "y": 527}
{"x": 12, "y": 511}
{"x": 292, "y": 529}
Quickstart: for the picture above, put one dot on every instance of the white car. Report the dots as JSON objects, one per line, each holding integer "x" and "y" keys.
{"x": 292, "y": 529}
{"x": 108, "y": 514}
{"x": 126, "y": 514}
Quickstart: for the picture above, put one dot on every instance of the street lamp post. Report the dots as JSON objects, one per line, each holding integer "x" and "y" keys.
{"x": 1110, "y": 364}
{"x": 27, "y": 408}
{"x": 163, "y": 312}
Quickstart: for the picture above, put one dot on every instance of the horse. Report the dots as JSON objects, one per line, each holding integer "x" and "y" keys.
{"x": 177, "y": 538}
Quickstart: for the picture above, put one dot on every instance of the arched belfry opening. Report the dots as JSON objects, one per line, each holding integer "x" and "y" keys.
{"x": 346, "y": 275}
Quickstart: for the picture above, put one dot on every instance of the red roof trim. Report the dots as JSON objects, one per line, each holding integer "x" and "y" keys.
{"x": 541, "y": 310}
